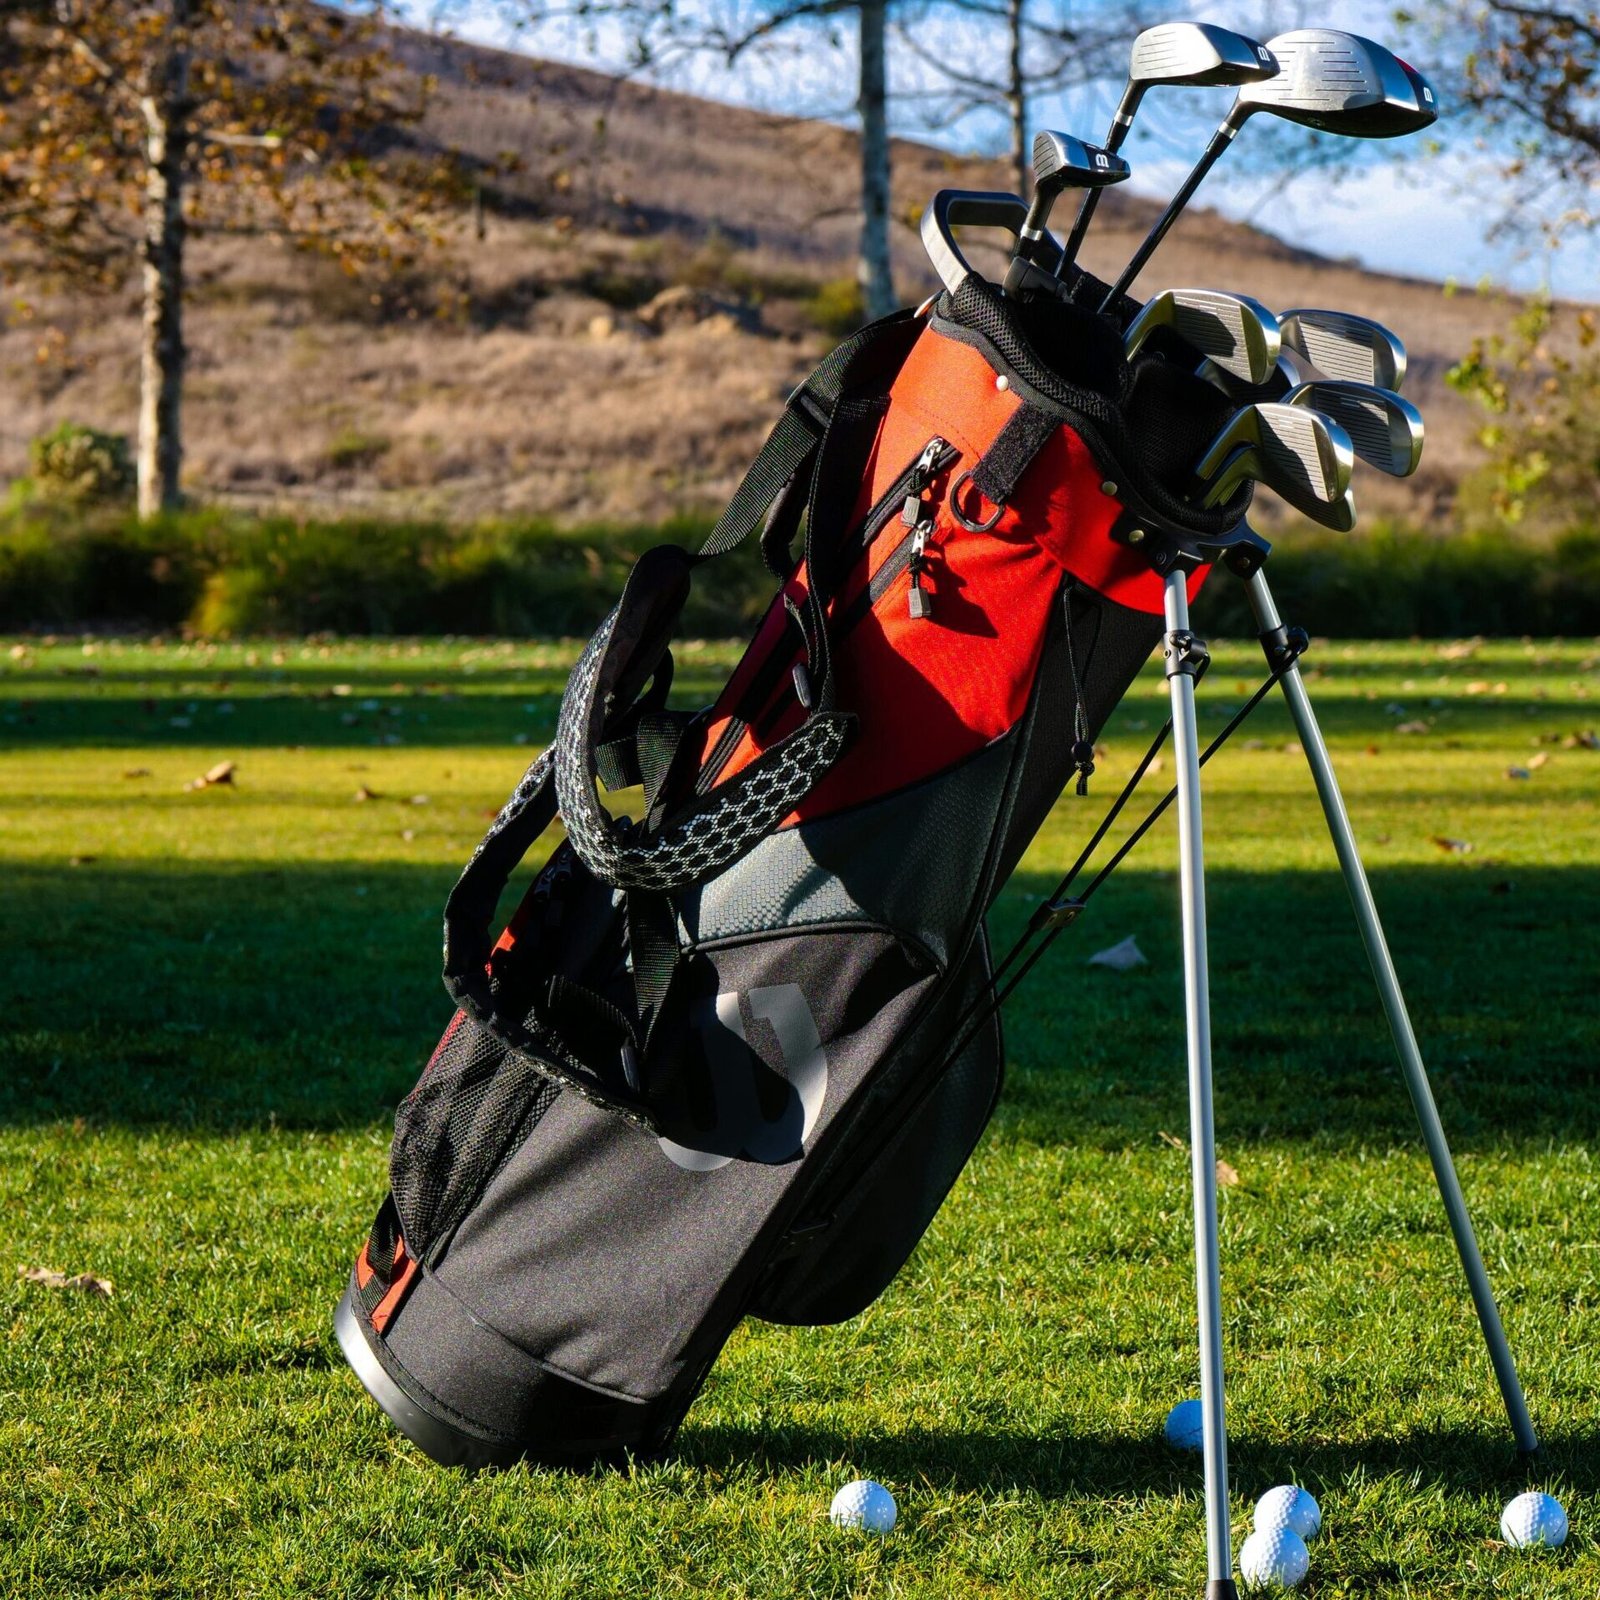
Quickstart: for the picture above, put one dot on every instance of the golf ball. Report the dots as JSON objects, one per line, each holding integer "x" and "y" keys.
{"x": 1289, "y": 1506}
{"x": 863, "y": 1504}
{"x": 1185, "y": 1428}
{"x": 1274, "y": 1556}
{"x": 1533, "y": 1519}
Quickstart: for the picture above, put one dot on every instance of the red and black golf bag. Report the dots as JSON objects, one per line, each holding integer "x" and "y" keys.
{"x": 717, "y": 1064}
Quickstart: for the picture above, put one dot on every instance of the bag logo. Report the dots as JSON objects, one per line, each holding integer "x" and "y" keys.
{"x": 761, "y": 1111}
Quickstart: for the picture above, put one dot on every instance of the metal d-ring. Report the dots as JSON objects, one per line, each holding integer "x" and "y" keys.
{"x": 961, "y": 516}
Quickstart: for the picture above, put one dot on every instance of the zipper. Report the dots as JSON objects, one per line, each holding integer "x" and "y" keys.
{"x": 905, "y": 495}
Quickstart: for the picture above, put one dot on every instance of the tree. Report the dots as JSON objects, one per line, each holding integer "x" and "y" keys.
{"x": 1049, "y": 46}
{"x": 129, "y": 126}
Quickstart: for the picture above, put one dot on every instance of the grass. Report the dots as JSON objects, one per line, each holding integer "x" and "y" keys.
{"x": 217, "y": 996}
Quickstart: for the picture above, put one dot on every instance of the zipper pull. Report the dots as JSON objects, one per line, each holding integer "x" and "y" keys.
{"x": 921, "y": 599}
{"x": 922, "y": 474}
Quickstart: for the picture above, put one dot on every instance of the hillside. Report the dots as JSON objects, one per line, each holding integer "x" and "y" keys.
{"x": 515, "y": 374}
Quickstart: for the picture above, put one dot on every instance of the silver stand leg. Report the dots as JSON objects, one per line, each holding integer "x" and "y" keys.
{"x": 1394, "y": 1005}
{"x": 1182, "y": 663}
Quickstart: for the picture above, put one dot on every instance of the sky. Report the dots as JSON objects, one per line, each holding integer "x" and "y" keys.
{"x": 1424, "y": 206}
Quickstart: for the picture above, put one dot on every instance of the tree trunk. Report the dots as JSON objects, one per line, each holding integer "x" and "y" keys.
{"x": 1017, "y": 96}
{"x": 877, "y": 280}
{"x": 166, "y": 113}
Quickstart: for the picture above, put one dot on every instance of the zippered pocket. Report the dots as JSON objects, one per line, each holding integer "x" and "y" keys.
{"x": 763, "y": 702}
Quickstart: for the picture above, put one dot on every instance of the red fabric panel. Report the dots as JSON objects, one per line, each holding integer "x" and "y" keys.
{"x": 931, "y": 691}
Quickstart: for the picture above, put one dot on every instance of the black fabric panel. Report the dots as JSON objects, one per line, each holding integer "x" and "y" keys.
{"x": 1174, "y": 415}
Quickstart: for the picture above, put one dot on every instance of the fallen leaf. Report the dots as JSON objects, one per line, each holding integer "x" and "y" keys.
{"x": 1119, "y": 957}
{"x": 137, "y": 772}
{"x": 419, "y": 799}
{"x": 86, "y": 1281}
{"x": 1170, "y": 1138}
{"x": 1412, "y": 727}
{"x": 408, "y": 834}
{"x": 1460, "y": 652}
{"x": 1227, "y": 1176}
{"x": 1540, "y": 760}
{"x": 221, "y": 773}
{"x": 1292, "y": 749}
{"x": 1458, "y": 847}
{"x": 364, "y": 793}
{"x": 1478, "y": 686}
{"x": 1372, "y": 750}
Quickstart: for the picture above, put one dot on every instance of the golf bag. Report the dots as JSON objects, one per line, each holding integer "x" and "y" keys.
{"x": 727, "y": 1058}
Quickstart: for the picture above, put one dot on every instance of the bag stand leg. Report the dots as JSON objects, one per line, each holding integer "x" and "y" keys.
{"x": 1416, "y": 1074}
{"x": 1185, "y": 660}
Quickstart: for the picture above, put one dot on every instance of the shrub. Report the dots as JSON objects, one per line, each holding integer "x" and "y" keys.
{"x": 838, "y": 307}
{"x": 81, "y": 466}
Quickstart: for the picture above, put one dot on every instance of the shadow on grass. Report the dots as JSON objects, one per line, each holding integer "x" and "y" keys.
{"x": 237, "y": 995}
{"x": 1105, "y": 1465}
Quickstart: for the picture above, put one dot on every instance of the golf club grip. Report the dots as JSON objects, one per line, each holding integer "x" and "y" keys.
{"x": 976, "y": 208}
{"x": 1220, "y": 141}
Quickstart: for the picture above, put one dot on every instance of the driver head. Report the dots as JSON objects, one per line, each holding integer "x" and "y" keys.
{"x": 1197, "y": 53}
{"x": 1340, "y": 83}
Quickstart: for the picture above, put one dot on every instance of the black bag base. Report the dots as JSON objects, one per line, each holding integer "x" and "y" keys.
{"x": 559, "y": 1422}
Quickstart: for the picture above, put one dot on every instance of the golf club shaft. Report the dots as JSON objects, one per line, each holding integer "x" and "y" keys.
{"x": 1220, "y": 140}
{"x": 1202, "y": 1131}
{"x": 1394, "y": 1005}
{"x": 1115, "y": 134}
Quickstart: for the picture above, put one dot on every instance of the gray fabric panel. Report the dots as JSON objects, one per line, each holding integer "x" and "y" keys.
{"x": 912, "y": 861}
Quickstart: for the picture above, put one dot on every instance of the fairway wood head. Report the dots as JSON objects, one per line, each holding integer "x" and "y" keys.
{"x": 1340, "y": 83}
{"x": 1386, "y": 431}
{"x": 1239, "y": 335}
{"x": 1197, "y": 53}
{"x": 1340, "y": 344}
{"x": 1299, "y": 454}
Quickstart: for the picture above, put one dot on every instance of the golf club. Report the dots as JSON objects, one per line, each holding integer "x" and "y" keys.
{"x": 1386, "y": 431}
{"x": 1339, "y": 344}
{"x": 1062, "y": 162}
{"x": 1334, "y": 82}
{"x": 1238, "y": 335}
{"x": 1298, "y": 453}
{"x": 1290, "y": 369}
{"x": 1174, "y": 53}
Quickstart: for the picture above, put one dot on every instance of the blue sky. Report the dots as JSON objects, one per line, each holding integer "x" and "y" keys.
{"x": 1424, "y": 206}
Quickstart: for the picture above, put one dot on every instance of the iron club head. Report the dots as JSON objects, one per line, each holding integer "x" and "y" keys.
{"x": 1342, "y": 345}
{"x": 1237, "y": 334}
{"x": 1299, "y": 454}
{"x": 1386, "y": 431}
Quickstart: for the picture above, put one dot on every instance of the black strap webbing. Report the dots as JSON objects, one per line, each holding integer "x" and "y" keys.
{"x": 1028, "y": 431}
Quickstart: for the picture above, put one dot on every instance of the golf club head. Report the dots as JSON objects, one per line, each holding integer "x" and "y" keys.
{"x": 1063, "y": 162}
{"x": 1301, "y": 455}
{"x": 1197, "y": 53}
{"x": 1339, "y": 344}
{"x": 1340, "y": 83}
{"x": 1238, "y": 335}
{"x": 1386, "y": 431}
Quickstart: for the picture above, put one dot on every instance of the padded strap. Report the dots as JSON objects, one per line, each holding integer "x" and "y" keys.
{"x": 1029, "y": 429}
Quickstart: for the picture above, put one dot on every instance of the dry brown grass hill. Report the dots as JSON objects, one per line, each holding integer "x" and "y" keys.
{"x": 536, "y": 371}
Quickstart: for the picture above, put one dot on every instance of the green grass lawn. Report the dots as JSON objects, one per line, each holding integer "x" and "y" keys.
{"x": 216, "y": 996}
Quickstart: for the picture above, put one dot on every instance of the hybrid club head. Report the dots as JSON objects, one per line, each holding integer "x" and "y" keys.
{"x": 1174, "y": 54}
{"x": 1299, "y": 454}
{"x": 1059, "y": 162}
{"x": 1336, "y": 82}
{"x": 1342, "y": 345}
{"x": 1235, "y": 333}
{"x": 1386, "y": 431}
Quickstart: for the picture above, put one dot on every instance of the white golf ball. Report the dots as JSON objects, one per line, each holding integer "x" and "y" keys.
{"x": 1534, "y": 1519}
{"x": 1274, "y": 1556}
{"x": 1185, "y": 1429}
{"x": 863, "y": 1504}
{"x": 1289, "y": 1506}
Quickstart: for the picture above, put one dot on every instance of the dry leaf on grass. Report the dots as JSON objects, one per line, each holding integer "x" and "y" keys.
{"x": 1227, "y": 1176}
{"x": 1412, "y": 727}
{"x": 1540, "y": 760}
{"x": 85, "y": 1281}
{"x": 1170, "y": 1138}
{"x": 1119, "y": 957}
{"x": 213, "y": 776}
{"x": 136, "y": 772}
{"x": 364, "y": 793}
{"x": 1457, "y": 847}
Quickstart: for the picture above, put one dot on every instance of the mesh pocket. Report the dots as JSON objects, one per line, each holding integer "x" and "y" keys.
{"x": 472, "y": 1108}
